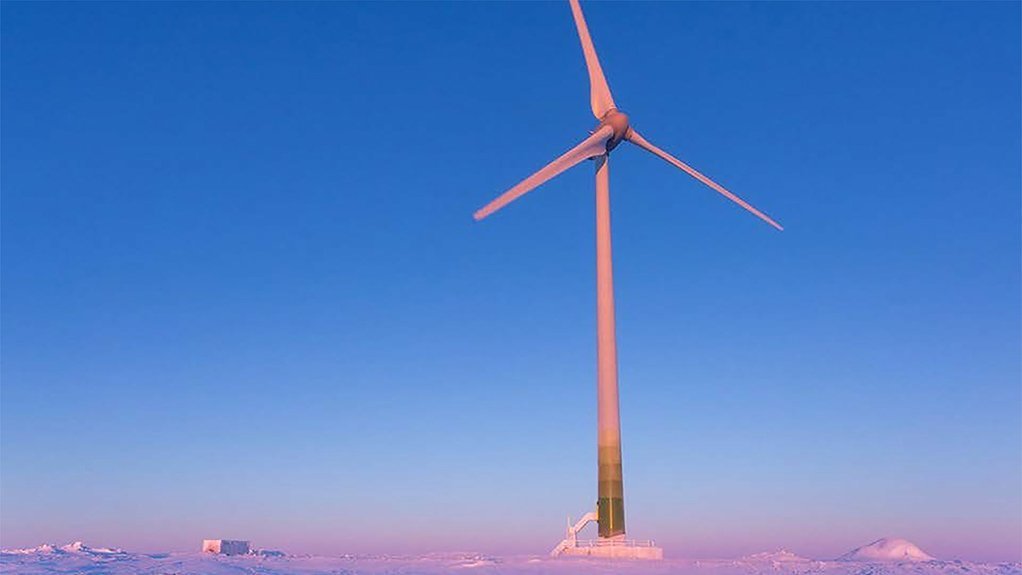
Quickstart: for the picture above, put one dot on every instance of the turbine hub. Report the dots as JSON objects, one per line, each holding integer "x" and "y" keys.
{"x": 619, "y": 122}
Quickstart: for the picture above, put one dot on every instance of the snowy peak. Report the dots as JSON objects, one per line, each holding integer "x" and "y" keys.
{"x": 43, "y": 549}
{"x": 887, "y": 549}
{"x": 779, "y": 556}
{"x": 71, "y": 548}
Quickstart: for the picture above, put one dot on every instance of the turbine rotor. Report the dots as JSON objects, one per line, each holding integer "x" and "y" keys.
{"x": 618, "y": 121}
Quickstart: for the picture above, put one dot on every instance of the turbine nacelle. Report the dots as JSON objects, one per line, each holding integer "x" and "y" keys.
{"x": 617, "y": 121}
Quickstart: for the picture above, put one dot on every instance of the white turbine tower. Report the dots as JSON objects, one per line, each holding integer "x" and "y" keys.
{"x": 613, "y": 128}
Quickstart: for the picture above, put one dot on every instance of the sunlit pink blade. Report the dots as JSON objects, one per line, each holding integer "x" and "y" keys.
{"x": 635, "y": 138}
{"x": 594, "y": 145}
{"x": 599, "y": 92}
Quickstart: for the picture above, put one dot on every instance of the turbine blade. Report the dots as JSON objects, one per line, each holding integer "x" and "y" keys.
{"x": 599, "y": 93}
{"x": 637, "y": 139}
{"x": 594, "y": 145}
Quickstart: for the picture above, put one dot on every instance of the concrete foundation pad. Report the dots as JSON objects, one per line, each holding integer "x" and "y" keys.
{"x": 637, "y": 550}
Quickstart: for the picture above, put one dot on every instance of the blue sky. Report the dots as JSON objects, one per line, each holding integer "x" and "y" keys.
{"x": 243, "y": 294}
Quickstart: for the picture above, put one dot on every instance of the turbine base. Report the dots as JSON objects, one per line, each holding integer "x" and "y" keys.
{"x": 617, "y": 547}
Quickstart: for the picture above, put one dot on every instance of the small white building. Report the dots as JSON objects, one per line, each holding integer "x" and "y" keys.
{"x": 225, "y": 546}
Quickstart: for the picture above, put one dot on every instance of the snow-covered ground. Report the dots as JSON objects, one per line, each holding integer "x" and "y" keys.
{"x": 883, "y": 557}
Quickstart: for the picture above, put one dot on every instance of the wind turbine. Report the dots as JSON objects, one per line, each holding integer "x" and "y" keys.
{"x": 613, "y": 128}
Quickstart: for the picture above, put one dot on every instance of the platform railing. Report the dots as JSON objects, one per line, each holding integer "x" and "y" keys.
{"x": 615, "y": 543}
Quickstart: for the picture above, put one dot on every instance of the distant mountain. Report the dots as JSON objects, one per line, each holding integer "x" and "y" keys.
{"x": 780, "y": 556}
{"x": 71, "y": 548}
{"x": 887, "y": 549}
